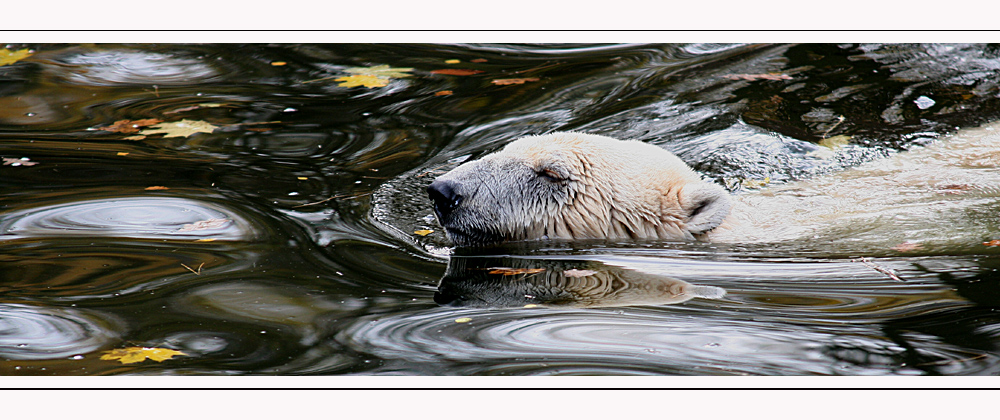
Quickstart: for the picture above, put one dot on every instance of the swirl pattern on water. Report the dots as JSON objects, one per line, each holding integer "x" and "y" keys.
{"x": 635, "y": 342}
{"x": 123, "y": 66}
{"x": 133, "y": 217}
{"x": 36, "y": 333}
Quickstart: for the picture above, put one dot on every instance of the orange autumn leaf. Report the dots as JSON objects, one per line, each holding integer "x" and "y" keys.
{"x": 443, "y": 93}
{"x": 456, "y": 72}
{"x": 479, "y": 60}
{"x": 156, "y": 188}
{"x": 507, "y": 271}
{"x": 514, "y": 81}
{"x": 131, "y": 126}
{"x": 995, "y": 242}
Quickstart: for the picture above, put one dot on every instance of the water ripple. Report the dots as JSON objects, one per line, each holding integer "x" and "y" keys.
{"x": 133, "y": 217}
{"x": 128, "y": 67}
{"x": 36, "y": 333}
{"x": 633, "y": 342}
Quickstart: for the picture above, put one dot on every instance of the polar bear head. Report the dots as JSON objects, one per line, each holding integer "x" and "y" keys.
{"x": 576, "y": 186}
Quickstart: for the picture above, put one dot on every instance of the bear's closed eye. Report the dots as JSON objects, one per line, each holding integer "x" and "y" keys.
{"x": 550, "y": 175}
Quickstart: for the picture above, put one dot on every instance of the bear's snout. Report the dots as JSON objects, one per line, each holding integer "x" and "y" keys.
{"x": 446, "y": 199}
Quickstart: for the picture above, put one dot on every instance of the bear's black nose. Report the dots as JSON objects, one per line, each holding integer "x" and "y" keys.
{"x": 445, "y": 198}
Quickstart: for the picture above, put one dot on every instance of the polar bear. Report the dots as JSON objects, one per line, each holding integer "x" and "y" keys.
{"x": 571, "y": 185}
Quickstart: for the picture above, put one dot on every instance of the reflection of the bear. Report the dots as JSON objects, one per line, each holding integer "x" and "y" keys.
{"x": 516, "y": 282}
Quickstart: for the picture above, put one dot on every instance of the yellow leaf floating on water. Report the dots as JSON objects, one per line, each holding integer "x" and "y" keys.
{"x": 375, "y": 76}
{"x": 835, "y": 141}
{"x": 365, "y": 80}
{"x": 755, "y": 183}
{"x": 423, "y": 232}
{"x": 383, "y": 71}
{"x": 463, "y": 320}
{"x": 182, "y": 128}
{"x": 11, "y": 57}
{"x": 138, "y": 354}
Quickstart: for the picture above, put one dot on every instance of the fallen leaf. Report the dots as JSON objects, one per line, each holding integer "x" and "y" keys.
{"x": 479, "y": 60}
{"x": 156, "y": 188}
{"x": 507, "y": 271}
{"x": 134, "y": 137}
{"x": 452, "y": 61}
{"x": 278, "y": 63}
{"x": 573, "y": 272}
{"x": 463, "y": 320}
{"x": 130, "y": 126}
{"x": 755, "y": 183}
{"x": 205, "y": 240}
{"x": 182, "y": 128}
{"x": 18, "y": 162}
{"x": 138, "y": 354}
{"x": 302, "y": 178}
{"x": 204, "y": 224}
{"x": 835, "y": 141}
{"x": 11, "y": 57}
{"x": 514, "y": 81}
{"x": 123, "y": 153}
{"x": 907, "y": 246}
{"x": 366, "y": 80}
{"x": 752, "y": 77}
{"x": 995, "y": 242}
{"x": 443, "y": 93}
{"x": 423, "y": 232}
{"x": 383, "y": 71}
{"x": 531, "y": 305}
{"x": 456, "y": 72}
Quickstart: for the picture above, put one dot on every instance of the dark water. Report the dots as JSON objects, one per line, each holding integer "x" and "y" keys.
{"x": 307, "y": 194}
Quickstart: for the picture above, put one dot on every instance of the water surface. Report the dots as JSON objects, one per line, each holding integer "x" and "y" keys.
{"x": 282, "y": 242}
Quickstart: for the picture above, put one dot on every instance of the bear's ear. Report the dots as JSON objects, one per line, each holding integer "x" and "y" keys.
{"x": 707, "y": 206}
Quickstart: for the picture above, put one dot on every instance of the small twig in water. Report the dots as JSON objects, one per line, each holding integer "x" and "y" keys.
{"x": 332, "y": 198}
{"x": 198, "y": 272}
{"x": 868, "y": 263}
{"x": 840, "y": 119}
